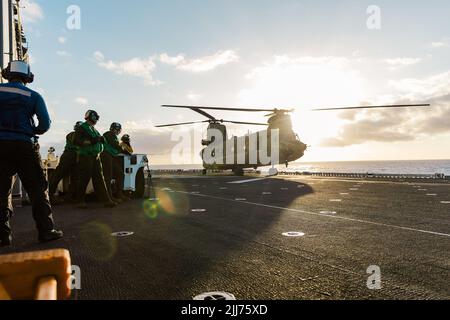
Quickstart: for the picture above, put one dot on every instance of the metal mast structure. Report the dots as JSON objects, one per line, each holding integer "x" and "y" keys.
{"x": 13, "y": 44}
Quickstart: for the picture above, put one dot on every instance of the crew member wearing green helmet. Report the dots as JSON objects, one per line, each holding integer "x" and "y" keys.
{"x": 90, "y": 147}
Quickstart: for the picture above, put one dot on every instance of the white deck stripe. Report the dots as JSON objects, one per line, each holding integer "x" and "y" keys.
{"x": 15, "y": 90}
{"x": 246, "y": 181}
{"x": 326, "y": 216}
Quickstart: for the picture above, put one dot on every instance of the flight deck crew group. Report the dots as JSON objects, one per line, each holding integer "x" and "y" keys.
{"x": 87, "y": 155}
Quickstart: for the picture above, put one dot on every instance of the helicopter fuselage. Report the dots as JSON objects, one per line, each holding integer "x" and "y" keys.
{"x": 276, "y": 145}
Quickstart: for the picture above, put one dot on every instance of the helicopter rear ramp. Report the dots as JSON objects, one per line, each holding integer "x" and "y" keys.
{"x": 276, "y": 238}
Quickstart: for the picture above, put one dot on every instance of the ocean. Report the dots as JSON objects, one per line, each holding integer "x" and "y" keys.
{"x": 380, "y": 167}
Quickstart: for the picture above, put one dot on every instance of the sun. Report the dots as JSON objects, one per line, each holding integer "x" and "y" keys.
{"x": 305, "y": 83}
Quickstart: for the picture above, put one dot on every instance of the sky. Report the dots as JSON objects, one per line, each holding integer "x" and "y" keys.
{"x": 128, "y": 58}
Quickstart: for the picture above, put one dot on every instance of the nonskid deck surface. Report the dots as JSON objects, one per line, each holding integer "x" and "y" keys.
{"x": 226, "y": 234}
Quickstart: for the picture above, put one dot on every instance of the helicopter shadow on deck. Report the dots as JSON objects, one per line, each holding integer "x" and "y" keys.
{"x": 196, "y": 244}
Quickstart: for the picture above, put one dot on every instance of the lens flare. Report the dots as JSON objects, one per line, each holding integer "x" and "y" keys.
{"x": 96, "y": 237}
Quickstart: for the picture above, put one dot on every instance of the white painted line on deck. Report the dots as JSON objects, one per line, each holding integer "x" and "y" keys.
{"x": 335, "y": 200}
{"x": 431, "y": 194}
{"x": 328, "y": 213}
{"x": 293, "y": 234}
{"x": 445, "y": 202}
{"x": 380, "y": 224}
{"x": 247, "y": 181}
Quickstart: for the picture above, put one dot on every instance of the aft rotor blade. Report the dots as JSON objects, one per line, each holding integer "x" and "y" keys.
{"x": 249, "y": 123}
{"x": 181, "y": 124}
{"x": 374, "y": 107}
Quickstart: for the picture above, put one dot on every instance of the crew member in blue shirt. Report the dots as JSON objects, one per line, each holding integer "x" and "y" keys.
{"x": 20, "y": 151}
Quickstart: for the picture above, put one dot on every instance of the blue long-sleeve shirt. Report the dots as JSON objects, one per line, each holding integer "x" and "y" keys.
{"x": 18, "y": 106}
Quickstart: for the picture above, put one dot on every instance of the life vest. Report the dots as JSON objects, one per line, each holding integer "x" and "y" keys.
{"x": 108, "y": 146}
{"x": 70, "y": 146}
{"x": 92, "y": 149}
{"x": 16, "y": 111}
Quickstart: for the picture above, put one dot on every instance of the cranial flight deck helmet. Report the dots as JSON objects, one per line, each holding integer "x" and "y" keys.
{"x": 116, "y": 127}
{"x": 77, "y": 125}
{"x": 19, "y": 69}
{"x": 92, "y": 116}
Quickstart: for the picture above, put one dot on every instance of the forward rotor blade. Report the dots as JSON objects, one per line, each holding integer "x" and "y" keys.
{"x": 193, "y": 108}
{"x": 249, "y": 123}
{"x": 181, "y": 124}
{"x": 203, "y": 113}
{"x": 224, "y": 109}
{"x": 374, "y": 107}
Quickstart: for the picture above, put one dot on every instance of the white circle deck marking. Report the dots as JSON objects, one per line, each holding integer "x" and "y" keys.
{"x": 293, "y": 234}
{"x": 380, "y": 224}
{"x": 215, "y": 296}
{"x": 198, "y": 210}
{"x": 300, "y": 186}
{"x": 122, "y": 234}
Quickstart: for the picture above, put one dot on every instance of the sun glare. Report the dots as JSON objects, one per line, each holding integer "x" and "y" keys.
{"x": 303, "y": 84}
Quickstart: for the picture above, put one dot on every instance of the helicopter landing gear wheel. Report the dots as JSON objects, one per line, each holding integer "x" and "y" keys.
{"x": 238, "y": 172}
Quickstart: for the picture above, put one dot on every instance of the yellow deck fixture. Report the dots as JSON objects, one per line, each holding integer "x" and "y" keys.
{"x": 41, "y": 275}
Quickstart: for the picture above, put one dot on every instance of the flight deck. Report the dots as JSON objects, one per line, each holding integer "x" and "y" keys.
{"x": 287, "y": 237}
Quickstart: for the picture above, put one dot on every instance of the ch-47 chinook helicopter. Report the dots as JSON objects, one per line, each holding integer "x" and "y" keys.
{"x": 237, "y": 151}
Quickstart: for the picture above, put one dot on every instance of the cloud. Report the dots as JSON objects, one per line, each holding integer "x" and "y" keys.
{"x": 194, "y": 97}
{"x": 426, "y": 88}
{"x": 173, "y": 61}
{"x": 63, "y": 53}
{"x": 147, "y": 139}
{"x": 81, "y": 101}
{"x": 31, "y": 12}
{"x": 303, "y": 81}
{"x": 396, "y": 63}
{"x": 444, "y": 43}
{"x": 136, "y": 67}
{"x": 203, "y": 64}
{"x": 393, "y": 125}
